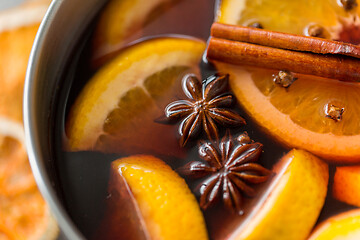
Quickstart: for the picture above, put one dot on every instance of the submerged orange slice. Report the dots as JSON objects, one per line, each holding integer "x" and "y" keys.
{"x": 162, "y": 205}
{"x": 120, "y": 21}
{"x": 346, "y": 187}
{"x": 116, "y": 110}
{"x": 344, "y": 226}
{"x": 292, "y": 203}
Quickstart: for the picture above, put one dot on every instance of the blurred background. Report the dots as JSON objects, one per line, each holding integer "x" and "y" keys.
{"x": 23, "y": 212}
{"x": 9, "y": 3}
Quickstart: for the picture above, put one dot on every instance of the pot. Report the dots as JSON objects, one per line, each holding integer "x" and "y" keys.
{"x": 59, "y": 35}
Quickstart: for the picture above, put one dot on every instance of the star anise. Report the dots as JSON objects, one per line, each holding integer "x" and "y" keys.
{"x": 205, "y": 107}
{"x": 230, "y": 171}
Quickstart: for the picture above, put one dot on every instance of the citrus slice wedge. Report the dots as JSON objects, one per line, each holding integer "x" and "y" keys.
{"x": 297, "y": 17}
{"x": 150, "y": 201}
{"x": 117, "y": 108}
{"x": 120, "y": 20}
{"x": 344, "y": 226}
{"x": 346, "y": 187}
{"x": 298, "y": 116}
{"x": 292, "y": 203}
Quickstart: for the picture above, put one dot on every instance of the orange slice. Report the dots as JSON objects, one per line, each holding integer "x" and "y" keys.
{"x": 291, "y": 205}
{"x": 163, "y": 206}
{"x": 120, "y": 21}
{"x": 346, "y": 187}
{"x": 116, "y": 110}
{"x": 344, "y": 226}
{"x": 297, "y": 116}
{"x": 297, "y": 16}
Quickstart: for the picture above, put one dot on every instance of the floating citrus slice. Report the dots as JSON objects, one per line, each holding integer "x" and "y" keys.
{"x": 292, "y": 203}
{"x": 117, "y": 108}
{"x": 162, "y": 205}
{"x": 344, "y": 226}
{"x": 346, "y": 187}
{"x": 120, "y": 20}
{"x": 300, "y": 116}
{"x": 324, "y": 17}
{"x": 315, "y": 114}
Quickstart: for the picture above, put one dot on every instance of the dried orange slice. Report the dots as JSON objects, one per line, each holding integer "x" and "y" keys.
{"x": 303, "y": 115}
{"x": 344, "y": 226}
{"x": 23, "y": 212}
{"x": 293, "y": 201}
{"x": 163, "y": 206}
{"x": 116, "y": 110}
{"x": 18, "y": 27}
{"x": 346, "y": 187}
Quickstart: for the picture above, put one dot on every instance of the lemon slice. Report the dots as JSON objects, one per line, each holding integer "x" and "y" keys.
{"x": 151, "y": 201}
{"x": 115, "y": 112}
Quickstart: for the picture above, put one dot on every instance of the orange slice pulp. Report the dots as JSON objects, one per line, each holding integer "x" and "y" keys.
{"x": 284, "y": 211}
{"x": 116, "y": 110}
{"x": 344, "y": 226}
{"x": 298, "y": 116}
{"x": 162, "y": 206}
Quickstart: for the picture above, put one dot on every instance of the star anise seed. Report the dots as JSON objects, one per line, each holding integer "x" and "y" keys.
{"x": 206, "y": 105}
{"x": 230, "y": 171}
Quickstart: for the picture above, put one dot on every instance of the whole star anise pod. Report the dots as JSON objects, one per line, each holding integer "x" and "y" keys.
{"x": 205, "y": 107}
{"x": 230, "y": 171}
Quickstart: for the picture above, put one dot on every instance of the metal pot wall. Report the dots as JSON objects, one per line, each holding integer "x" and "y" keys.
{"x": 58, "y": 36}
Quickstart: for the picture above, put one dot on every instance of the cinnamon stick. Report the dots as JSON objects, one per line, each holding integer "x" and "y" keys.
{"x": 330, "y": 66}
{"x": 283, "y": 40}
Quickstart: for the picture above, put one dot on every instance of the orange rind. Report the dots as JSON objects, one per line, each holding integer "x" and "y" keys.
{"x": 346, "y": 187}
{"x": 344, "y": 226}
{"x": 162, "y": 206}
{"x": 117, "y": 109}
{"x": 292, "y": 203}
